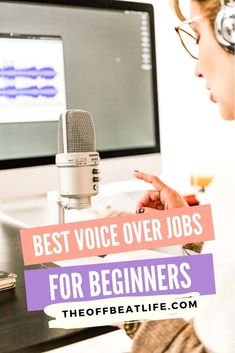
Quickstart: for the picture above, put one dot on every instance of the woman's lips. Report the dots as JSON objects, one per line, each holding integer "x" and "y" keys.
{"x": 212, "y": 98}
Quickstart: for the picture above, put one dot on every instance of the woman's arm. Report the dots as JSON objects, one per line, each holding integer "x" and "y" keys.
{"x": 169, "y": 336}
{"x": 172, "y": 335}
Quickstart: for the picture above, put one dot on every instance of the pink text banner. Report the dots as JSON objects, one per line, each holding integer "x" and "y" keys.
{"x": 117, "y": 234}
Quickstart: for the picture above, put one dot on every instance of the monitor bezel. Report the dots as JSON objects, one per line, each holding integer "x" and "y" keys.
{"x": 100, "y": 4}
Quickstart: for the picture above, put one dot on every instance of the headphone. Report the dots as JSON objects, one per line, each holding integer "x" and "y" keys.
{"x": 225, "y": 26}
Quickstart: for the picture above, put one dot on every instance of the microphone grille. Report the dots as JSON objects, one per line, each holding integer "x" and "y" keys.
{"x": 80, "y": 132}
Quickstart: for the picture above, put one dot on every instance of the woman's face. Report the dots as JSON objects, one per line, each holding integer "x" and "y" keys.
{"x": 214, "y": 64}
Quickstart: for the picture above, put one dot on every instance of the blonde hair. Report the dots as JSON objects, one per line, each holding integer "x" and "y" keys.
{"x": 210, "y": 8}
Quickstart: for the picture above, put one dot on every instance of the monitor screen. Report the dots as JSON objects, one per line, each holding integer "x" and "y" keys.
{"x": 32, "y": 85}
{"x": 97, "y": 56}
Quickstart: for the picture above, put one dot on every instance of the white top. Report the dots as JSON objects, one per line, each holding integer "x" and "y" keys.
{"x": 215, "y": 325}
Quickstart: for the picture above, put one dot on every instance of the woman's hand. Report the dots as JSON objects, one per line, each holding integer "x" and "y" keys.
{"x": 162, "y": 198}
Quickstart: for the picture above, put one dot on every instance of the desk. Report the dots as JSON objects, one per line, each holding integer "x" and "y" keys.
{"x": 22, "y": 331}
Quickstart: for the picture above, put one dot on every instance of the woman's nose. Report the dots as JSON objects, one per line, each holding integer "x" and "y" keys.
{"x": 198, "y": 71}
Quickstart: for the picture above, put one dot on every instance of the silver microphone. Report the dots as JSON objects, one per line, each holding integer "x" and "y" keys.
{"x": 77, "y": 159}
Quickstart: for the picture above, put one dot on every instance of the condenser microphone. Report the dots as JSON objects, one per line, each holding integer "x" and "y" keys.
{"x": 77, "y": 159}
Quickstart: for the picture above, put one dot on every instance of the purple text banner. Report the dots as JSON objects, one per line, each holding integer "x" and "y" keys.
{"x": 139, "y": 278}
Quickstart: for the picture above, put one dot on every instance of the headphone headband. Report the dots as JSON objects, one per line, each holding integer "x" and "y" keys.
{"x": 225, "y": 26}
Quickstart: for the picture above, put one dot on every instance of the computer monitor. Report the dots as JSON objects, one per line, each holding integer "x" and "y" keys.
{"x": 97, "y": 56}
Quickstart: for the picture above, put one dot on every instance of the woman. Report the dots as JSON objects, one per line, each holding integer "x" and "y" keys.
{"x": 212, "y": 330}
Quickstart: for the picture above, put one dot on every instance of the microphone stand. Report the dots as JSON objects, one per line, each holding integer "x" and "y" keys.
{"x": 54, "y": 199}
{"x": 61, "y": 215}
{"x": 66, "y": 203}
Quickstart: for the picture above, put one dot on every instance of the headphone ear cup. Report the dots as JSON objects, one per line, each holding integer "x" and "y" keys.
{"x": 225, "y": 27}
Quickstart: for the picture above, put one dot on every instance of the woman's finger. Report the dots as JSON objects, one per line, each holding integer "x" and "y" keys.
{"x": 149, "y": 199}
{"x": 149, "y": 209}
{"x": 151, "y": 179}
{"x": 157, "y": 183}
{"x": 149, "y": 196}
{"x": 169, "y": 198}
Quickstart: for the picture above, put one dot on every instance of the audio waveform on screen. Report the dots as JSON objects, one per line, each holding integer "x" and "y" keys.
{"x": 32, "y": 91}
{"x": 10, "y": 72}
